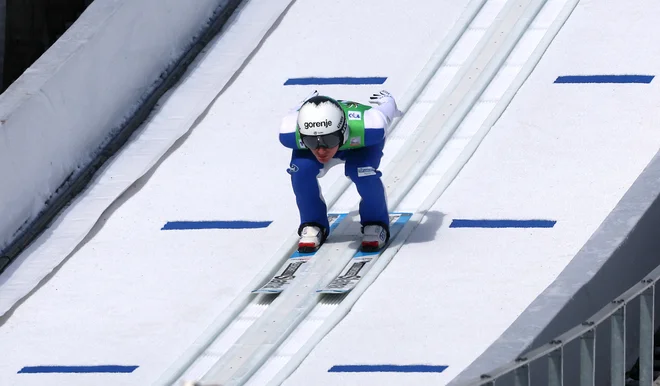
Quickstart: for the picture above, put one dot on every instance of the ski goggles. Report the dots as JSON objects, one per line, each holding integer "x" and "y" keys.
{"x": 328, "y": 140}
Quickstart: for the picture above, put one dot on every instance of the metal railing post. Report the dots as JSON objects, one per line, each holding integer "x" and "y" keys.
{"x": 490, "y": 383}
{"x": 521, "y": 376}
{"x": 587, "y": 357}
{"x": 556, "y": 366}
{"x": 646, "y": 319}
{"x": 618, "y": 346}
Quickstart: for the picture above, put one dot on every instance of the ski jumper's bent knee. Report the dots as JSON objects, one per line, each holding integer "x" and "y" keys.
{"x": 362, "y": 169}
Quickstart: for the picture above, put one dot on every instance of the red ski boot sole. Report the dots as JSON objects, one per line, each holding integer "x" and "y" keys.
{"x": 307, "y": 247}
{"x": 370, "y": 246}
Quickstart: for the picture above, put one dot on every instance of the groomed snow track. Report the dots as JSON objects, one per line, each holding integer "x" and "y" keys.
{"x": 448, "y": 110}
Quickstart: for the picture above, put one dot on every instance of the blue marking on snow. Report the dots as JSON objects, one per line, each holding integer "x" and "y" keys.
{"x": 77, "y": 369}
{"x": 185, "y": 225}
{"x": 335, "y": 80}
{"x": 605, "y": 79}
{"x": 387, "y": 369}
{"x": 464, "y": 223}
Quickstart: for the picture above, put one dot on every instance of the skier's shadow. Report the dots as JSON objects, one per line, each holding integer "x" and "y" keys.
{"x": 350, "y": 230}
{"x": 426, "y": 230}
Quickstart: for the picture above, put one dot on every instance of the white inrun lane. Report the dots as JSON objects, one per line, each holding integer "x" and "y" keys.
{"x": 219, "y": 338}
{"x": 483, "y": 78}
{"x": 225, "y": 331}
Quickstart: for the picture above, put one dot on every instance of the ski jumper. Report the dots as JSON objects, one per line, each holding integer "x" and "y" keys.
{"x": 361, "y": 155}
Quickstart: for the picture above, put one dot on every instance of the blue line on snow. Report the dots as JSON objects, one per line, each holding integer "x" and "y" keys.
{"x": 605, "y": 79}
{"x": 337, "y": 80}
{"x": 387, "y": 369}
{"x": 77, "y": 369}
{"x": 463, "y": 223}
{"x": 180, "y": 225}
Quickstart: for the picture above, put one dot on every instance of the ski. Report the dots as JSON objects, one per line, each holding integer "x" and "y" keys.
{"x": 287, "y": 271}
{"x": 361, "y": 262}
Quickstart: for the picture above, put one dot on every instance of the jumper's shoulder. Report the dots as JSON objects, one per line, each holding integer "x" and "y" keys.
{"x": 288, "y": 130}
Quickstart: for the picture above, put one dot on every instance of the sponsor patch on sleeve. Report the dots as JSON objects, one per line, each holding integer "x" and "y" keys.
{"x": 354, "y": 115}
{"x": 366, "y": 171}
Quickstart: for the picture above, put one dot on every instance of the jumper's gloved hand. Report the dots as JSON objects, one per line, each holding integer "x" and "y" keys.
{"x": 386, "y": 105}
{"x": 380, "y": 97}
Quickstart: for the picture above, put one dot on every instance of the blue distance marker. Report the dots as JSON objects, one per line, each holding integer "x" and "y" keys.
{"x": 186, "y": 225}
{"x": 387, "y": 369}
{"x": 335, "y": 80}
{"x": 77, "y": 369}
{"x": 605, "y": 79}
{"x": 465, "y": 223}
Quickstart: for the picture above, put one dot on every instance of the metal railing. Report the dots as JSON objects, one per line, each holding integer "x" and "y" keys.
{"x": 595, "y": 352}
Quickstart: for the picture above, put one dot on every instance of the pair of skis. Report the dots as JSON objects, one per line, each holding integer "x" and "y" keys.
{"x": 349, "y": 276}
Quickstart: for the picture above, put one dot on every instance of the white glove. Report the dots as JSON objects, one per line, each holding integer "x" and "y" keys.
{"x": 386, "y": 105}
{"x": 380, "y": 97}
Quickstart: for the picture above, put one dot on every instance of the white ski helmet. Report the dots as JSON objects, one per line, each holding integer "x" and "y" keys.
{"x": 321, "y": 115}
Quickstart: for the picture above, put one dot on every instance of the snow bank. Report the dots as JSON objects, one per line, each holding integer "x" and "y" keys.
{"x": 55, "y": 118}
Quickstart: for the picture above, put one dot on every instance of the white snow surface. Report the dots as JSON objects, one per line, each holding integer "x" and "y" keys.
{"x": 133, "y": 294}
{"x": 174, "y": 115}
